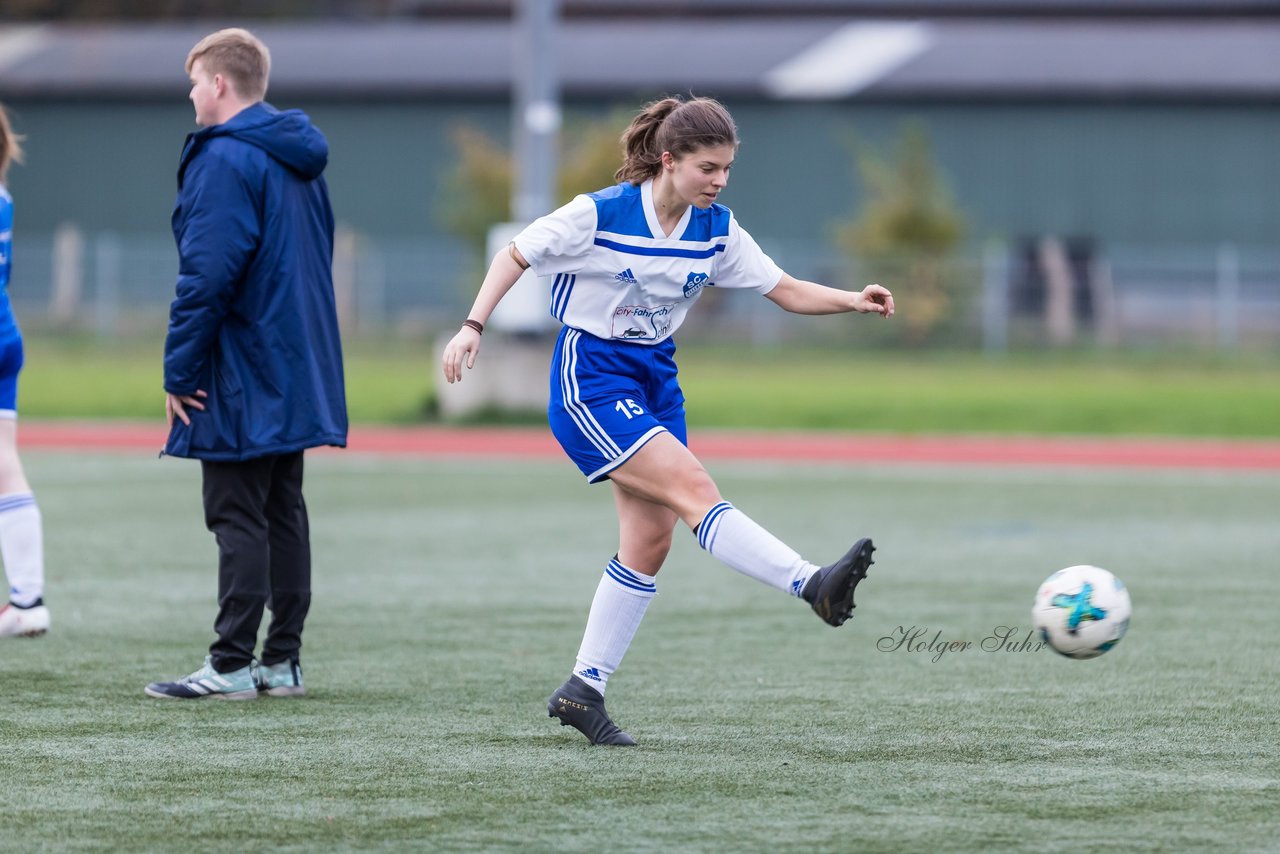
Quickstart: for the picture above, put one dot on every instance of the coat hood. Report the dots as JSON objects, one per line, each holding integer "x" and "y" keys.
{"x": 288, "y": 136}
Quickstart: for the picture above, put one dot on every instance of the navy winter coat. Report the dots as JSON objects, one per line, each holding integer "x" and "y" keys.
{"x": 254, "y": 322}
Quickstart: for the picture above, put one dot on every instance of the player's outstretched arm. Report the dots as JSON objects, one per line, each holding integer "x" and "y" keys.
{"x": 800, "y": 297}
{"x": 503, "y": 272}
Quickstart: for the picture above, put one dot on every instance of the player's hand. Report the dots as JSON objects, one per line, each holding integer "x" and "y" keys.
{"x": 463, "y": 348}
{"x": 175, "y": 405}
{"x": 874, "y": 299}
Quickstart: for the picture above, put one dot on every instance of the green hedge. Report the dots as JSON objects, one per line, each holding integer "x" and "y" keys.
{"x": 392, "y": 381}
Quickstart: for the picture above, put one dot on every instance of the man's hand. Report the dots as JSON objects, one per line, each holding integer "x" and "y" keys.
{"x": 176, "y": 405}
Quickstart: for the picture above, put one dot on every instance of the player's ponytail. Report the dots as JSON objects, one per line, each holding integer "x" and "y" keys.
{"x": 641, "y": 156}
{"x": 10, "y": 149}
{"x": 671, "y": 124}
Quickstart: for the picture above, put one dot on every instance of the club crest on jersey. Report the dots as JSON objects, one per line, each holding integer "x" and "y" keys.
{"x": 694, "y": 284}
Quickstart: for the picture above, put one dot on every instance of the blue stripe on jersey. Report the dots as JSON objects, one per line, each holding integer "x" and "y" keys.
{"x": 666, "y": 252}
{"x": 573, "y": 405}
{"x": 707, "y": 527}
{"x": 707, "y": 224}
{"x": 560, "y": 291}
{"x": 620, "y": 210}
{"x": 6, "y": 235}
{"x": 629, "y": 579}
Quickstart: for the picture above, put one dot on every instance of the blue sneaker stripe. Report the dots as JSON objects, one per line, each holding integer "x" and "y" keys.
{"x": 710, "y": 523}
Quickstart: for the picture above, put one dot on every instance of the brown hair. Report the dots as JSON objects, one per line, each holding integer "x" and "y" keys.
{"x": 238, "y": 55}
{"x": 674, "y": 125}
{"x": 10, "y": 147}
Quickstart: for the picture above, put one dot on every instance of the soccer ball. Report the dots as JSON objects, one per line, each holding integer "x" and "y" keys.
{"x": 1081, "y": 611}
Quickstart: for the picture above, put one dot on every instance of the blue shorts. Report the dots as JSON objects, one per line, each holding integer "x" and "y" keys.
{"x": 608, "y": 398}
{"x": 10, "y": 365}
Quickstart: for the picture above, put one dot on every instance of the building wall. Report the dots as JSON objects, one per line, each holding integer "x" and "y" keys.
{"x": 1131, "y": 174}
{"x": 1182, "y": 201}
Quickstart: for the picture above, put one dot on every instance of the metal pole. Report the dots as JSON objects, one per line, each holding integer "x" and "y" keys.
{"x": 995, "y": 299}
{"x": 107, "y": 263}
{"x": 1228, "y": 297}
{"x": 536, "y": 119}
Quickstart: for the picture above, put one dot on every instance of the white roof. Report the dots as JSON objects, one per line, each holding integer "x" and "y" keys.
{"x": 764, "y": 56}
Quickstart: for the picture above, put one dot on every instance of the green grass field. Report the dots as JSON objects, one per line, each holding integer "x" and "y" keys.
{"x": 450, "y": 601}
{"x": 393, "y": 381}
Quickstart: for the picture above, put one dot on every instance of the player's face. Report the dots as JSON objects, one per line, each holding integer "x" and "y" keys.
{"x": 701, "y": 175}
{"x": 204, "y": 95}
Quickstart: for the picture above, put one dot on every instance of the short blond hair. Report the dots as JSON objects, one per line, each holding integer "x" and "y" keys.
{"x": 10, "y": 144}
{"x": 238, "y": 55}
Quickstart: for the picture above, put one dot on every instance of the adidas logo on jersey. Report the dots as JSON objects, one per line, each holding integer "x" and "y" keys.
{"x": 626, "y": 277}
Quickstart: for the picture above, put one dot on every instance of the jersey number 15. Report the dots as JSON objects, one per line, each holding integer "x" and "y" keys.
{"x": 629, "y": 408}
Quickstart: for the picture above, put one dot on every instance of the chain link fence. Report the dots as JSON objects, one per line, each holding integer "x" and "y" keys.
{"x": 1026, "y": 294}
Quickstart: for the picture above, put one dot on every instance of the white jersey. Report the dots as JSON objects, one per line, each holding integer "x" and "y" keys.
{"x": 618, "y": 276}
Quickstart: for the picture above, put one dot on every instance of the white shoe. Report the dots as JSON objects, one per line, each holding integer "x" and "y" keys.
{"x": 18, "y": 622}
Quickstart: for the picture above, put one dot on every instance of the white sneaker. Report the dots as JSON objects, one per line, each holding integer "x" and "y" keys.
{"x": 18, "y": 622}
{"x": 207, "y": 682}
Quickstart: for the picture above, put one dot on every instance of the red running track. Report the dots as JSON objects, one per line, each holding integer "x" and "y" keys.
{"x": 1261, "y": 455}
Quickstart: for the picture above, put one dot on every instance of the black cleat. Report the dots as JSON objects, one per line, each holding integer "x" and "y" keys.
{"x": 580, "y": 706}
{"x": 830, "y": 589}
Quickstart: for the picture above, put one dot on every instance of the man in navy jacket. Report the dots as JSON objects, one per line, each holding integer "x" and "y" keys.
{"x": 253, "y": 360}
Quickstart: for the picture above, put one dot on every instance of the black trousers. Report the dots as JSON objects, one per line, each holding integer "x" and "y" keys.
{"x": 255, "y": 510}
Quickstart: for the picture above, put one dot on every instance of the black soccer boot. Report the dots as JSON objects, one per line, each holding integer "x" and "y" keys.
{"x": 830, "y": 589}
{"x": 580, "y": 706}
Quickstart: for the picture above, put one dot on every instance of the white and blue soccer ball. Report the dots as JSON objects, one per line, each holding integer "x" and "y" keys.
{"x": 1081, "y": 611}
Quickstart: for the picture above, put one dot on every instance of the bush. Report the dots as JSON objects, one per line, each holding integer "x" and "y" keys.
{"x": 907, "y": 233}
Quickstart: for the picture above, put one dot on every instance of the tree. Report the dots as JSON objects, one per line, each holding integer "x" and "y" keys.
{"x": 907, "y": 231}
{"x": 479, "y": 185}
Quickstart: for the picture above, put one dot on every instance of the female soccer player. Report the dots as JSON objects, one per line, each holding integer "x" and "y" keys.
{"x": 628, "y": 263}
{"x": 21, "y": 535}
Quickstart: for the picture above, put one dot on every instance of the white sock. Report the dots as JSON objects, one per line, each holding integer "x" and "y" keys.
{"x": 621, "y": 599}
{"x": 732, "y": 537}
{"x": 22, "y": 547}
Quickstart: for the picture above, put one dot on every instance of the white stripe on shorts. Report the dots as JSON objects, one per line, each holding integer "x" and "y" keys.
{"x": 626, "y": 455}
{"x": 573, "y": 405}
